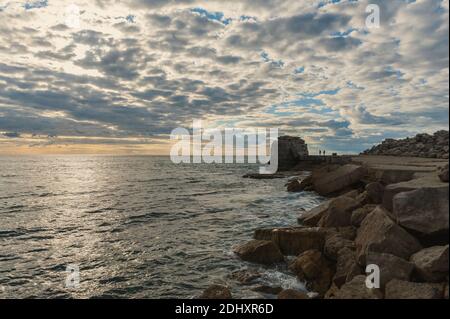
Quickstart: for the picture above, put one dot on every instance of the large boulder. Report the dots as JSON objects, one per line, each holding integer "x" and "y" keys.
{"x": 443, "y": 173}
{"x": 312, "y": 217}
{"x": 296, "y": 185}
{"x": 391, "y": 267}
{"x": 423, "y": 182}
{"x": 375, "y": 192}
{"x": 259, "y": 251}
{"x": 379, "y": 234}
{"x": 347, "y": 267}
{"x": 216, "y": 292}
{"x": 357, "y": 289}
{"x": 400, "y": 289}
{"x": 424, "y": 211}
{"x": 312, "y": 267}
{"x": 431, "y": 264}
{"x": 334, "y": 242}
{"x": 339, "y": 212}
{"x": 359, "y": 214}
{"x": 293, "y": 241}
{"x": 337, "y": 180}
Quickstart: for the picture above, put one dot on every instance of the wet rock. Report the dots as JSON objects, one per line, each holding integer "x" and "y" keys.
{"x": 245, "y": 277}
{"x": 443, "y": 174}
{"x": 312, "y": 217}
{"x": 216, "y": 292}
{"x": 337, "y": 180}
{"x": 268, "y": 290}
{"x": 347, "y": 267}
{"x": 312, "y": 267}
{"x": 293, "y": 241}
{"x": 259, "y": 251}
{"x": 431, "y": 264}
{"x": 423, "y": 211}
{"x": 379, "y": 234}
{"x": 359, "y": 214}
{"x": 296, "y": 186}
{"x": 391, "y": 267}
{"x": 292, "y": 294}
{"x": 399, "y": 289}
{"x": 357, "y": 289}
{"x": 339, "y": 212}
{"x": 375, "y": 192}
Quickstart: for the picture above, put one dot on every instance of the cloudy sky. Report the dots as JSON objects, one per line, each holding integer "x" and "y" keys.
{"x": 111, "y": 76}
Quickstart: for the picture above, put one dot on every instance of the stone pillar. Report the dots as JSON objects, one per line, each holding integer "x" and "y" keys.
{"x": 291, "y": 150}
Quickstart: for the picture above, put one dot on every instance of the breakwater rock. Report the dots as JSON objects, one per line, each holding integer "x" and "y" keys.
{"x": 422, "y": 145}
{"x": 388, "y": 213}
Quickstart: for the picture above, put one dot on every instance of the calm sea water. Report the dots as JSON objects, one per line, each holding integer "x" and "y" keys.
{"x": 137, "y": 227}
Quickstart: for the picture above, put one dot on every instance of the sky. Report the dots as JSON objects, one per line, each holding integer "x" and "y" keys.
{"x": 116, "y": 77}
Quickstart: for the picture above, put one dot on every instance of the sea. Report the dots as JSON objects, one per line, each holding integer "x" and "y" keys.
{"x": 75, "y": 226}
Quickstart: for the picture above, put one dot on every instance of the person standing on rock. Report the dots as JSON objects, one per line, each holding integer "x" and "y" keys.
{"x": 320, "y": 152}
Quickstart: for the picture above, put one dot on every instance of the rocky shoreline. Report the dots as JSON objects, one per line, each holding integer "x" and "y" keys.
{"x": 388, "y": 212}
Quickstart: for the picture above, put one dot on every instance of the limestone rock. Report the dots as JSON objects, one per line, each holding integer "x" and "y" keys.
{"x": 295, "y": 185}
{"x": 334, "y": 243}
{"x": 423, "y": 182}
{"x": 424, "y": 211}
{"x": 375, "y": 192}
{"x": 399, "y": 289}
{"x": 431, "y": 264}
{"x": 443, "y": 174}
{"x": 339, "y": 212}
{"x": 337, "y": 180}
{"x": 259, "y": 251}
{"x": 216, "y": 292}
{"x": 359, "y": 214}
{"x": 312, "y": 267}
{"x": 357, "y": 289}
{"x": 311, "y": 218}
{"x": 378, "y": 233}
{"x": 391, "y": 267}
{"x": 347, "y": 267}
{"x": 290, "y": 150}
{"x": 293, "y": 241}
{"x": 292, "y": 294}
{"x": 422, "y": 145}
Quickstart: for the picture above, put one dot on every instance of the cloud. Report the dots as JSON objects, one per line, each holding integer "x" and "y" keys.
{"x": 137, "y": 69}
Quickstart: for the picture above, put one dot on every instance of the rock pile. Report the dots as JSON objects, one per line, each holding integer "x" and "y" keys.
{"x": 422, "y": 145}
{"x": 401, "y": 227}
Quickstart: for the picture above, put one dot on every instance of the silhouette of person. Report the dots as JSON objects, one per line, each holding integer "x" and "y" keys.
{"x": 320, "y": 152}
{"x": 324, "y": 152}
